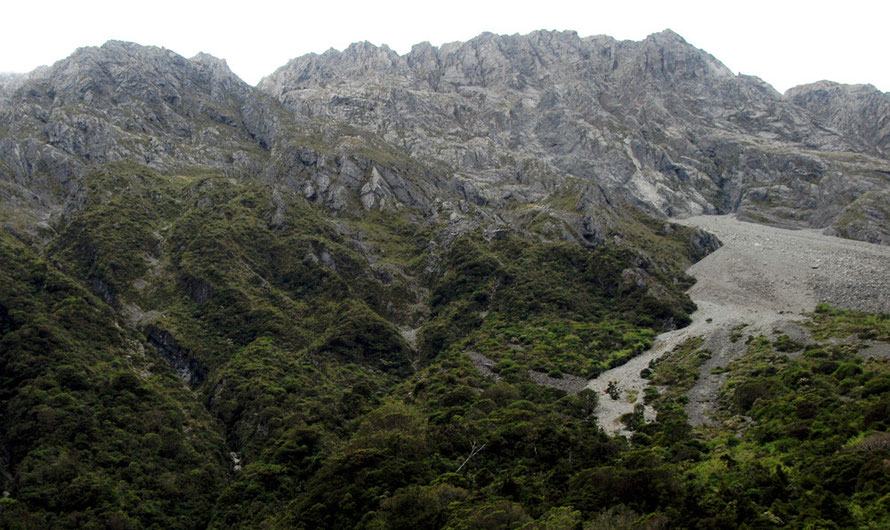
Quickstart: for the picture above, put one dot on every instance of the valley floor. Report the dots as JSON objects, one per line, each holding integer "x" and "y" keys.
{"x": 759, "y": 282}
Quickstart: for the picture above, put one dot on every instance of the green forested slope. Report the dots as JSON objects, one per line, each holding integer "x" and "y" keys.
{"x": 95, "y": 431}
{"x": 192, "y": 351}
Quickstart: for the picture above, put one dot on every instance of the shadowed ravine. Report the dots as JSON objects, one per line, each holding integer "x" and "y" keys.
{"x": 764, "y": 278}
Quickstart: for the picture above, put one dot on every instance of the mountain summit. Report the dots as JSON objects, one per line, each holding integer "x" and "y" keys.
{"x": 658, "y": 123}
{"x": 497, "y": 120}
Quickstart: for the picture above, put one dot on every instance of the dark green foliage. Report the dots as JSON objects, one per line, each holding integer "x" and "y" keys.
{"x": 829, "y": 322}
{"x": 359, "y": 335}
{"x": 551, "y": 306}
{"x": 442, "y": 451}
{"x": 93, "y": 435}
{"x": 817, "y": 421}
{"x": 679, "y": 368}
{"x": 785, "y": 344}
{"x": 302, "y": 328}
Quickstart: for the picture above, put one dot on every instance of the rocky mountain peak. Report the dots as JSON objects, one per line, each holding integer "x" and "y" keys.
{"x": 216, "y": 74}
{"x": 666, "y": 57}
{"x": 367, "y": 50}
{"x": 503, "y": 119}
{"x": 125, "y": 101}
{"x": 423, "y": 56}
{"x": 122, "y": 70}
{"x": 858, "y": 111}
{"x": 828, "y": 87}
{"x": 665, "y": 37}
{"x": 218, "y": 67}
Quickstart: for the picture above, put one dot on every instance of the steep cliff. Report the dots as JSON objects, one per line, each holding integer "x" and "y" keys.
{"x": 656, "y": 123}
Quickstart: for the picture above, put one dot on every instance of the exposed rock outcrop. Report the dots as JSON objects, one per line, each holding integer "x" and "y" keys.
{"x": 857, "y": 111}
{"x": 468, "y": 130}
{"x": 657, "y": 123}
{"x": 186, "y": 366}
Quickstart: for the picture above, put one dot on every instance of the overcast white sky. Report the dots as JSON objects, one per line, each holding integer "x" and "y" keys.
{"x": 784, "y": 42}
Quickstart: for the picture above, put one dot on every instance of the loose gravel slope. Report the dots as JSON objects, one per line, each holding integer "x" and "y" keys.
{"x": 762, "y": 278}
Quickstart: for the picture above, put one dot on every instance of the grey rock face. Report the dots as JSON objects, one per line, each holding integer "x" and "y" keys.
{"x": 125, "y": 101}
{"x": 865, "y": 219}
{"x": 657, "y": 123}
{"x": 9, "y": 80}
{"x": 573, "y": 127}
{"x": 186, "y": 366}
{"x": 857, "y": 111}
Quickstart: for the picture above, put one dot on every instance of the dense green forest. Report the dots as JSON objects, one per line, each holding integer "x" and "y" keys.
{"x": 194, "y": 351}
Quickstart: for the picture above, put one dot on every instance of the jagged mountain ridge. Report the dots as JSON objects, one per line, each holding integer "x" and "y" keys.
{"x": 657, "y": 122}
{"x": 495, "y": 121}
{"x": 128, "y": 102}
{"x": 125, "y": 101}
{"x": 858, "y": 111}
